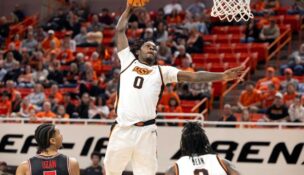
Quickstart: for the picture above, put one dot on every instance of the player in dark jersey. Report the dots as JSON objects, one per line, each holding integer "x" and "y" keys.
{"x": 197, "y": 155}
{"x": 48, "y": 161}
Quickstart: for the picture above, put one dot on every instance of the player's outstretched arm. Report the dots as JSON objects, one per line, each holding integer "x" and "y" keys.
{"x": 204, "y": 76}
{"x": 121, "y": 27}
{"x": 22, "y": 168}
{"x": 171, "y": 171}
{"x": 74, "y": 166}
{"x": 230, "y": 167}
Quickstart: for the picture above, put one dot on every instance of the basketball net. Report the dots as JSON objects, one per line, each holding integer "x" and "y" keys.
{"x": 230, "y": 10}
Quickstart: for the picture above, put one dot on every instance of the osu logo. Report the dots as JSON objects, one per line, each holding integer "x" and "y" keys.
{"x": 142, "y": 71}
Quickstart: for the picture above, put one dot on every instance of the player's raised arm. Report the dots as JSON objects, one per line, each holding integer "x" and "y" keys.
{"x": 121, "y": 27}
{"x": 204, "y": 76}
{"x": 230, "y": 168}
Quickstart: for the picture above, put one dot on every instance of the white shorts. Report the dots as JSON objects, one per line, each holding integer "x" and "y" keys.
{"x": 135, "y": 144}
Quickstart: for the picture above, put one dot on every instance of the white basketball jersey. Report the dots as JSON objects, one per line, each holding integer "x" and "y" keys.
{"x": 140, "y": 88}
{"x": 200, "y": 165}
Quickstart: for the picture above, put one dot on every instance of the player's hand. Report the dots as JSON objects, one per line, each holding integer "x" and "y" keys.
{"x": 234, "y": 73}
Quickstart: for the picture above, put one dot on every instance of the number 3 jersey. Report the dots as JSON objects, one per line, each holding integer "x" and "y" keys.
{"x": 139, "y": 89}
{"x": 200, "y": 165}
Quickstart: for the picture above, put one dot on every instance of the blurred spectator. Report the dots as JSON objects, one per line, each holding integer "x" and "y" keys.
{"x": 227, "y": 116}
{"x": 98, "y": 109}
{"x": 173, "y": 107}
{"x": 12, "y": 49}
{"x": 148, "y": 34}
{"x": 19, "y": 13}
{"x": 46, "y": 43}
{"x": 11, "y": 89}
{"x": 251, "y": 32}
{"x": 40, "y": 34}
{"x": 180, "y": 54}
{"x": 3, "y": 169}
{"x": 30, "y": 43}
{"x": 290, "y": 94}
{"x": 3, "y": 71}
{"x": 168, "y": 93}
{"x": 297, "y": 8}
{"x": 37, "y": 97}
{"x": 5, "y": 104}
{"x": 143, "y": 19}
{"x": 161, "y": 32}
{"x": 69, "y": 106}
{"x": 174, "y": 18}
{"x": 249, "y": 101}
{"x": 9, "y": 61}
{"x": 197, "y": 7}
{"x": 61, "y": 114}
{"x": 95, "y": 24}
{"x": 164, "y": 53}
{"x": 105, "y": 18}
{"x": 272, "y": 5}
{"x": 83, "y": 108}
{"x": 201, "y": 90}
{"x": 173, "y": 5}
{"x": 296, "y": 110}
{"x": 186, "y": 65}
{"x": 278, "y": 111}
{"x": 268, "y": 96}
{"x": 26, "y": 78}
{"x": 26, "y": 109}
{"x": 66, "y": 56}
{"x": 4, "y": 29}
{"x": 81, "y": 38}
{"x": 40, "y": 74}
{"x": 16, "y": 41}
{"x": 95, "y": 168}
{"x": 46, "y": 111}
{"x": 288, "y": 79}
{"x": 195, "y": 42}
{"x": 296, "y": 62}
{"x": 55, "y": 74}
{"x": 16, "y": 103}
{"x": 270, "y": 32}
{"x": 70, "y": 43}
{"x": 72, "y": 76}
{"x": 13, "y": 73}
{"x": 96, "y": 62}
{"x": 263, "y": 83}
{"x": 54, "y": 92}
{"x": 94, "y": 37}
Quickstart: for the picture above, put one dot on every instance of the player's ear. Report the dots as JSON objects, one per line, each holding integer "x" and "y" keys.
{"x": 52, "y": 141}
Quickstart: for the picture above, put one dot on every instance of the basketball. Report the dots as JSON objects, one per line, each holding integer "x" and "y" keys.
{"x": 138, "y": 3}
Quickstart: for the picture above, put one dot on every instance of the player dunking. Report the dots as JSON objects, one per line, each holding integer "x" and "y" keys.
{"x": 133, "y": 138}
{"x": 48, "y": 161}
{"x": 198, "y": 158}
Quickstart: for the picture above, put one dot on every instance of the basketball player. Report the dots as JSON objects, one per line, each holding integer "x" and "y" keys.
{"x": 48, "y": 161}
{"x": 198, "y": 158}
{"x": 133, "y": 136}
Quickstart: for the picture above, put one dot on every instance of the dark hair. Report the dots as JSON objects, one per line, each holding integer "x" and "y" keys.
{"x": 43, "y": 133}
{"x": 95, "y": 153}
{"x": 249, "y": 83}
{"x": 194, "y": 141}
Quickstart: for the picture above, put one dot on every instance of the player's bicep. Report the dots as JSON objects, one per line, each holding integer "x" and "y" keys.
{"x": 74, "y": 167}
{"x": 121, "y": 40}
{"x": 184, "y": 76}
{"x": 21, "y": 169}
{"x": 171, "y": 171}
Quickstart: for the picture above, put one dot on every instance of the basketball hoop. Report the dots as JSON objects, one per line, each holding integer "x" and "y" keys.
{"x": 230, "y": 10}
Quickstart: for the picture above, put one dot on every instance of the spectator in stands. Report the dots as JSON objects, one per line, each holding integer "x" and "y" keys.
{"x": 95, "y": 23}
{"x": 3, "y": 71}
{"x": 95, "y": 168}
{"x": 112, "y": 84}
{"x": 4, "y": 29}
{"x": 174, "y": 5}
{"x": 55, "y": 74}
{"x": 60, "y": 113}
{"x": 69, "y": 106}
{"x": 143, "y": 19}
{"x": 180, "y": 54}
{"x": 186, "y": 64}
{"x": 52, "y": 53}
{"x": 290, "y": 95}
{"x": 9, "y": 61}
{"x": 19, "y": 13}
{"x": 160, "y": 17}
{"x": 161, "y": 32}
{"x": 174, "y": 18}
{"x": 16, "y": 103}
{"x": 12, "y": 48}
{"x": 268, "y": 96}
{"x": 37, "y": 97}
{"x": 105, "y": 18}
{"x": 39, "y": 34}
{"x": 271, "y": 5}
{"x": 16, "y": 41}
{"x": 69, "y": 41}
{"x": 297, "y": 8}
{"x": 164, "y": 53}
{"x": 98, "y": 109}
{"x": 72, "y": 76}
{"x": 201, "y": 90}
{"x": 46, "y": 111}
{"x": 148, "y": 34}
{"x": 5, "y": 104}
{"x": 14, "y": 73}
{"x": 249, "y": 101}
{"x": 277, "y": 111}
{"x": 46, "y": 43}
{"x": 296, "y": 110}
{"x": 54, "y": 91}
{"x": 3, "y": 169}
{"x": 26, "y": 109}
{"x": 296, "y": 62}
{"x": 174, "y": 106}
{"x": 270, "y": 32}
{"x": 81, "y": 38}
{"x": 66, "y": 56}
{"x": 195, "y": 42}
{"x": 83, "y": 108}
{"x": 95, "y": 37}
{"x": 30, "y": 43}
{"x": 227, "y": 116}
{"x": 288, "y": 79}
{"x": 26, "y": 78}
{"x": 168, "y": 93}
{"x": 196, "y": 8}
{"x": 96, "y": 62}
{"x": 11, "y": 89}
{"x": 263, "y": 83}
{"x": 40, "y": 74}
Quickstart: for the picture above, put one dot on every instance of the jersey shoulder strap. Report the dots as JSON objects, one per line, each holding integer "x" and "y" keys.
{"x": 128, "y": 66}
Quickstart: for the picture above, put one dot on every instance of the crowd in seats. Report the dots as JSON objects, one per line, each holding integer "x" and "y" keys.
{"x": 68, "y": 67}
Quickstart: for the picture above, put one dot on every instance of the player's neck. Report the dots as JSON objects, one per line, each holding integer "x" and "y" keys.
{"x": 49, "y": 152}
